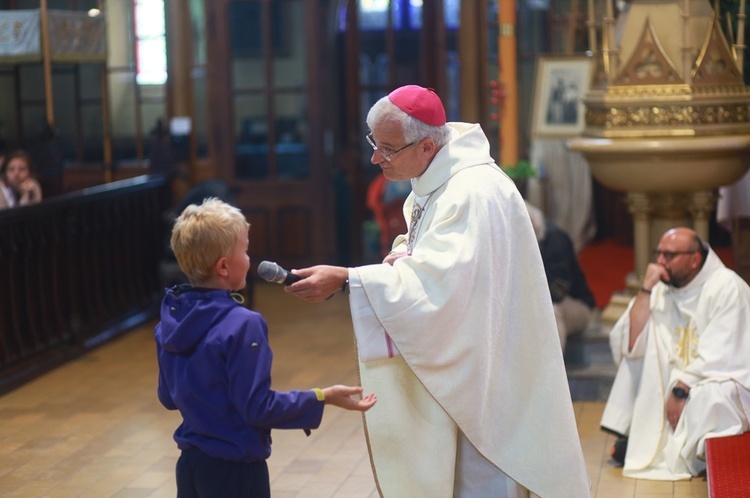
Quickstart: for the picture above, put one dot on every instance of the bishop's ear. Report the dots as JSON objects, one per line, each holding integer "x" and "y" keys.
{"x": 427, "y": 146}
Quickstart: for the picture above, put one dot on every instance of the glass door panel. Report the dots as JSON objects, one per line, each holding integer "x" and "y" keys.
{"x": 251, "y": 137}
{"x": 268, "y": 87}
{"x": 247, "y": 72}
{"x": 291, "y": 144}
{"x": 289, "y": 67}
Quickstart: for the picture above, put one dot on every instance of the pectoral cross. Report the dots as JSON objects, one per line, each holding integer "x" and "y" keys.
{"x": 414, "y": 224}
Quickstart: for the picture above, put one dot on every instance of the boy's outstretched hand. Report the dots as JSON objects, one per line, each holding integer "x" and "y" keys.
{"x": 341, "y": 396}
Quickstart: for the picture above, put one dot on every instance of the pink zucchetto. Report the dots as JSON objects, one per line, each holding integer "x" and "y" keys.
{"x": 420, "y": 103}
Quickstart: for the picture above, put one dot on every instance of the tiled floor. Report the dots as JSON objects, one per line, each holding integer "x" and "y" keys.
{"x": 94, "y": 428}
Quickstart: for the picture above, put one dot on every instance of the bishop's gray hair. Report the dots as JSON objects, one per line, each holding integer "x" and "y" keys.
{"x": 384, "y": 111}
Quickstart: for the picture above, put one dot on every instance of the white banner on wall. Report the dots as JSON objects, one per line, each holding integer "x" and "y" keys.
{"x": 74, "y": 36}
{"x": 19, "y": 34}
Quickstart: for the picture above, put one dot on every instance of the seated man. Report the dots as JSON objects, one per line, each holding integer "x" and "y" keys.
{"x": 682, "y": 347}
{"x": 572, "y": 299}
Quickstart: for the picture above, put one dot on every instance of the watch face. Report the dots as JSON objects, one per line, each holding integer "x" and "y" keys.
{"x": 679, "y": 393}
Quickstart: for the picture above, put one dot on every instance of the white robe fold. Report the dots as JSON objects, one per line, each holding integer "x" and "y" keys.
{"x": 697, "y": 334}
{"x": 471, "y": 315}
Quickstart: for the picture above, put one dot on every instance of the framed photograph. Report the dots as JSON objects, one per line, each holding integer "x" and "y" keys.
{"x": 560, "y": 83}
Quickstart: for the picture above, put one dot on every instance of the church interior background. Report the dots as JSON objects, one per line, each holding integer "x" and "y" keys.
{"x": 263, "y": 102}
{"x": 270, "y": 97}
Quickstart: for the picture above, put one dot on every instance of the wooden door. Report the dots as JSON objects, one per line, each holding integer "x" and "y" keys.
{"x": 289, "y": 84}
{"x": 267, "y": 130}
{"x": 385, "y": 45}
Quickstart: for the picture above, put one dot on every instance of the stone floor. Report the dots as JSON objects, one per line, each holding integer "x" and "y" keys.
{"x": 93, "y": 428}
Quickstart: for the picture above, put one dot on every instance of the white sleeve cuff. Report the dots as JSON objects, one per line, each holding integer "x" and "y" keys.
{"x": 373, "y": 342}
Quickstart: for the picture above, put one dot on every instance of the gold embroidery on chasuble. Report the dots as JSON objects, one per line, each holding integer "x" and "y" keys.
{"x": 686, "y": 343}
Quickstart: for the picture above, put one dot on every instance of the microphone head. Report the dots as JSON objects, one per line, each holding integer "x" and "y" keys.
{"x": 270, "y": 272}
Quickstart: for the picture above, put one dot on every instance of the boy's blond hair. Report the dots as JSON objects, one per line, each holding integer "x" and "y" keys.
{"x": 203, "y": 234}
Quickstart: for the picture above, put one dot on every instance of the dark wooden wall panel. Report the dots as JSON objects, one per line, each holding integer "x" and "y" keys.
{"x": 296, "y": 238}
{"x": 260, "y": 232}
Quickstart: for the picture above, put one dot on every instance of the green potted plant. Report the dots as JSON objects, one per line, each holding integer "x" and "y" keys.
{"x": 519, "y": 173}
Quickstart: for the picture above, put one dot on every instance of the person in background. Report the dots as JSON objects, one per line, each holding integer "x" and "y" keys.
{"x": 49, "y": 162}
{"x": 16, "y": 172}
{"x": 683, "y": 350}
{"x": 7, "y": 196}
{"x": 455, "y": 329}
{"x": 572, "y": 299}
{"x": 215, "y": 364}
{"x": 386, "y": 200}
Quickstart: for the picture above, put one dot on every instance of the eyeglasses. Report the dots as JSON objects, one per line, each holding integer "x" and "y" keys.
{"x": 669, "y": 255}
{"x": 386, "y": 153}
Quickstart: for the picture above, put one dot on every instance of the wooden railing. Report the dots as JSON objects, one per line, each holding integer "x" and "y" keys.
{"x": 76, "y": 270}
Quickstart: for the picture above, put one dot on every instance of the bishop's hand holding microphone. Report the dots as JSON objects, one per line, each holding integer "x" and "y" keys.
{"x": 317, "y": 283}
{"x": 271, "y": 272}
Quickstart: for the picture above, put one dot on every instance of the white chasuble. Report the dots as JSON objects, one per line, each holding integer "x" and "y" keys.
{"x": 476, "y": 348}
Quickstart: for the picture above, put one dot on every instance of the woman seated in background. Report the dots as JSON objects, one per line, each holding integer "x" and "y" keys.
{"x": 6, "y": 194}
{"x": 17, "y": 186}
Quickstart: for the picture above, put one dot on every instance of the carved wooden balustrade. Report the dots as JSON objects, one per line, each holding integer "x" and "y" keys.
{"x": 76, "y": 270}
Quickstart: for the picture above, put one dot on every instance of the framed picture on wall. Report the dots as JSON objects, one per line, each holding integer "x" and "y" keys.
{"x": 560, "y": 83}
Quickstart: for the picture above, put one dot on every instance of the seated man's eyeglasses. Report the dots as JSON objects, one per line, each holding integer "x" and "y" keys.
{"x": 669, "y": 255}
{"x": 386, "y": 153}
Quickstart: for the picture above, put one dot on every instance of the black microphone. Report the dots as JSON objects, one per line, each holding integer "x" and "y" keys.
{"x": 271, "y": 272}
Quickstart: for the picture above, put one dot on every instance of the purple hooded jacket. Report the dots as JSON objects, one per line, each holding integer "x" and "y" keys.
{"x": 215, "y": 368}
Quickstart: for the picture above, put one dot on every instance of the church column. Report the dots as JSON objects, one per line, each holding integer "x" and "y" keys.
{"x": 640, "y": 207}
{"x": 670, "y": 210}
{"x": 47, "y": 64}
{"x": 701, "y": 207}
{"x": 508, "y": 83}
{"x": 180, "y": 95}
{"x": 472, "y": 49}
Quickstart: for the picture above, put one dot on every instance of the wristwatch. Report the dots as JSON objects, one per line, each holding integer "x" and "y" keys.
{"x": 680, "y": 393}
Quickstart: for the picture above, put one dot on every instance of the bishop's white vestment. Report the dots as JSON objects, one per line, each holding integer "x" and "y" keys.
{"x": 470, "y": 348}
{"x": 698, "y": 334}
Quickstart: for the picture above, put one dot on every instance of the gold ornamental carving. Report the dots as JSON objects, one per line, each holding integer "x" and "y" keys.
{"x": 702, "y": 204}
{"x": 715, "y": 64}
{"x": 648, "y": 65}
{"x": 639, "y": 205}
{"x": 681, "y": 91}
{"x": 650, "y": 95}
{"x": 667, "y": 116}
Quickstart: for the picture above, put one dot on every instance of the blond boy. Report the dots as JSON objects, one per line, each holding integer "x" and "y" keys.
{"x": 215, "y": 363}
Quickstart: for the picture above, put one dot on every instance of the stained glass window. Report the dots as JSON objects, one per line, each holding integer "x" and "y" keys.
{"x": 151, "y": 45}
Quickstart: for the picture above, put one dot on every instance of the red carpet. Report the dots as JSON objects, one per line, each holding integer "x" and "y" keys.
{"x": 606, "y": 263}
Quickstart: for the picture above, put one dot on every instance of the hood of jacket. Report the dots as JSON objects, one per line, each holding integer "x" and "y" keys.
{"x": 187, "y": 314}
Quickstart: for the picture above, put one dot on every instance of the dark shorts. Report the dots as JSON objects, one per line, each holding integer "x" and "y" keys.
{"x": 203, "y": 476}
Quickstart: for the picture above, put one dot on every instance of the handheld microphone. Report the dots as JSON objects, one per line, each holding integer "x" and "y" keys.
{"x": 271, "y": 272}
